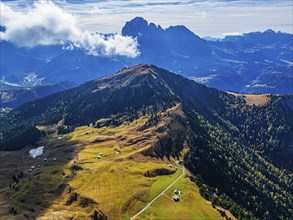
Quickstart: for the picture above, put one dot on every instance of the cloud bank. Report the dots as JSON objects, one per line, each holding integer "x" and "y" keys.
{"x": 44, "y": 23}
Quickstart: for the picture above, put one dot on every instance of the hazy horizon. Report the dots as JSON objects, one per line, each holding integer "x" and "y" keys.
{"x": 216, "y": 18}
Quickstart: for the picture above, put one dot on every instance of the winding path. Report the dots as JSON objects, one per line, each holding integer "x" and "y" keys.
{"x": 141, "y": 211}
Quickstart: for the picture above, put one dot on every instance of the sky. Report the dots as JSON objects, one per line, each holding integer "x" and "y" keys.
{"x": 46, "y": 23}
{"x": 215, "y": 18}
{"x": 80, "y": 24}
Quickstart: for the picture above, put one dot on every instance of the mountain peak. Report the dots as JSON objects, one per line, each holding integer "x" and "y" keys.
{"x": 140, "y": 69}
{"x": 177, "y": 39}
{"x": 135, "y": 76}
{"x": 180, "y": 28}
{"x": 270, "y": 31}
{"x": 134, "y": 87}
{"x": 139, "y": 26}
{"x": 139, "y": 21}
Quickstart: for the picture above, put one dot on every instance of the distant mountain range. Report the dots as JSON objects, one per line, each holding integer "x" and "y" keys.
{"x": 240, "y": 150}
{"x": 239, "y": 63}
{"x": 258, "y": 62}
{"x": 12, "y": 96}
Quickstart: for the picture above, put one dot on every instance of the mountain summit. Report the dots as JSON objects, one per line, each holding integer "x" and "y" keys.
{"x": 134, "y": 87}
{"x": 138, "y": 26}
{"x": 174, "y": 39}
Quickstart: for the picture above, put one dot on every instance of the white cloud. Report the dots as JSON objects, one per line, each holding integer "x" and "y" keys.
{"x": 97, "y": 44}
{"x": 44, "y": 23}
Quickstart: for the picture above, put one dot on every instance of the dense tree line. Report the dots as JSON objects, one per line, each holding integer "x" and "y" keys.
{"x": 18, "y": 137}
{"x": 268, "y": 129}
{"x": 212, "y": 194}
{"x": 245, "y": 180}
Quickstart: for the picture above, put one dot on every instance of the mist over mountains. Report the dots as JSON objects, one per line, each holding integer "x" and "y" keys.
{"x": 257, "y": 62}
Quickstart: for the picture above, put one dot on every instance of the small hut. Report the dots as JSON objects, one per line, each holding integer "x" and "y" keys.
{"x": 176, "y": 191}
{"x": 176, "y": 198}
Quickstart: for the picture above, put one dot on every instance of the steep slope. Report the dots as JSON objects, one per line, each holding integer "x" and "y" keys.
{"x": 132, "y": 89}
{"x": 239, "y": 147}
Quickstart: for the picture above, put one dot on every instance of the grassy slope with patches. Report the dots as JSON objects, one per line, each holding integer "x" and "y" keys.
{"x": 191, "y": 205}
{"x": 116, "y": 182}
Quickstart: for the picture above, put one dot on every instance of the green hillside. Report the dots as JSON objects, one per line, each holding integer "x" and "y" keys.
{"x": 77, "y": 183}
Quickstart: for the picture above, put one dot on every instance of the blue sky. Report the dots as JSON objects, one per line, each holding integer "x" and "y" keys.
{"x": 215, "y": 18}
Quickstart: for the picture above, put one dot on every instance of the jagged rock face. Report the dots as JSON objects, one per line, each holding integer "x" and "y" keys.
{"x": 139, "y": 26}
{"x": 175, "y": 39}
{"x": 149, "y": 36}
